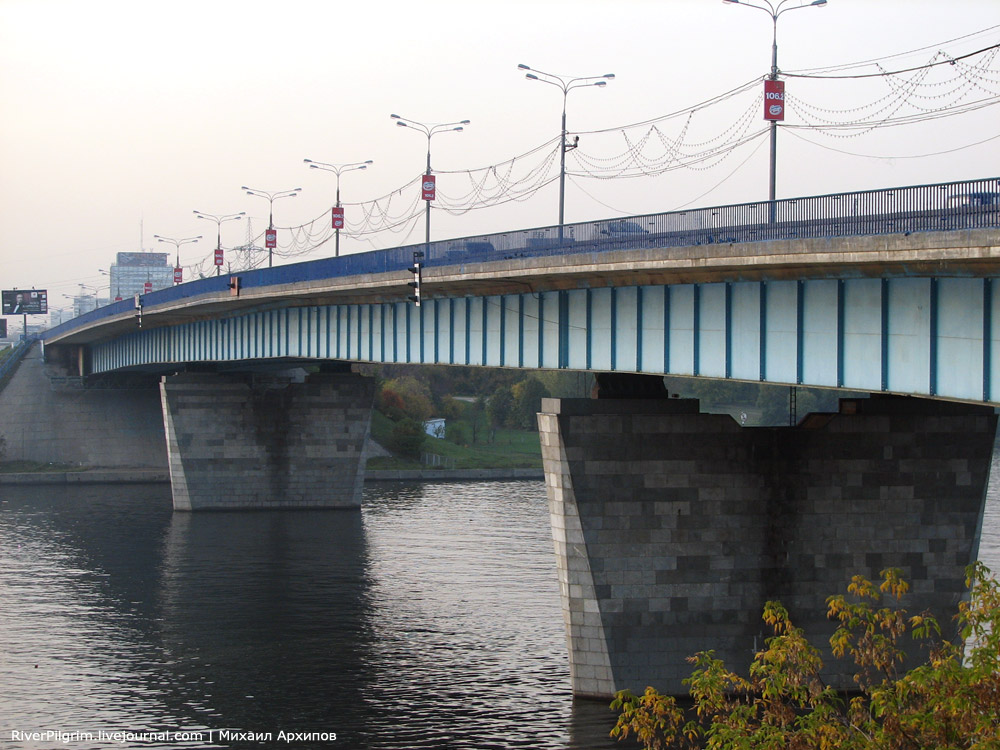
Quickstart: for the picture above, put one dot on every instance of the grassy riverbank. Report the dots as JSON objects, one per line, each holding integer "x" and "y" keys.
{"x": 505, "y": 449}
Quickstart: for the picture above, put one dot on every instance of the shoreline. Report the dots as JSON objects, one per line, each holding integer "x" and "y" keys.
{"x": 160, "y": 476}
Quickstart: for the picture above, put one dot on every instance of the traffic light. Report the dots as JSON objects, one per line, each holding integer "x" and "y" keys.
{"x": 417, "y": 277}
{"x": 138, "y": 310}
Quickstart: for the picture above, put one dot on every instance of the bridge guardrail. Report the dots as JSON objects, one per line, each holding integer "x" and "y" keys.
{"x": 970, "y": 204}
{"x": 11, "y": 360}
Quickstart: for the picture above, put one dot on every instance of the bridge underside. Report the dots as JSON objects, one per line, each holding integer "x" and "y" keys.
{"x": 673, "y": 528}
{"x": 895, "y": 335}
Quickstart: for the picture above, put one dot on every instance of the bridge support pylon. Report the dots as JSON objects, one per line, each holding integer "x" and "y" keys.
{"x": 239, "y": 442}
{"x": 672, "y": 528}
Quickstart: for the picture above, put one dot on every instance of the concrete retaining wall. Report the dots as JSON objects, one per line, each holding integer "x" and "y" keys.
{"x": 108, "y": 427}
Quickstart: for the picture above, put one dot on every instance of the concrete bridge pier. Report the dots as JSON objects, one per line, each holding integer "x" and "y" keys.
{"x": 255, "y": 441}
{"x": 672, "y": 528}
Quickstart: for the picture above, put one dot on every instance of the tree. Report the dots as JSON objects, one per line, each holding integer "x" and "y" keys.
{"x": 458, "y": 433}
{"x": 476, "y": 411}
{"x": 952, "y": 700}
{"x": 528, "y": 395}
{"x": 500, "y": 407}
{"x": 407, "y": 438}
{"x": 412, "y": 397}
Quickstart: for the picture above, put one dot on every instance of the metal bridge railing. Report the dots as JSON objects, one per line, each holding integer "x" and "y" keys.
{"x": 8, "y": 363}
{"x": 971, "y": 204}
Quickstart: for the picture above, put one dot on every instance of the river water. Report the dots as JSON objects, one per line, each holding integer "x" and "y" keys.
{"x": 430, "y": 619}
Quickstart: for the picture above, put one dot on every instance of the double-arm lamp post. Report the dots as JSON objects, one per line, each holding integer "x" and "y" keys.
{"x": 218, "y": 245}
{"x": 774, "y": 10}
{"x": 564, "y": 84}
{"x": 430, "y": 130}
{"x": 177, "y": 248}
{"x": 338, "y": 169}
{"x": 270, "y": 239}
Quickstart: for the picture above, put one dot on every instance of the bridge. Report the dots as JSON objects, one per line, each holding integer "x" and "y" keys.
{"x": 671, "y": 527}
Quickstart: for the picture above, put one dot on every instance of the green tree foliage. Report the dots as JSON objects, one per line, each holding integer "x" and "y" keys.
{"x": 500, "y": 407}
{"x": 405, "y": 396}
{"x": 458, "y": 433}
{"x": 949, "y": 702}
{"x": 407, "y": 438}
{"x": 561, "y": 384}
{"x": 476, "y": 413}
{"x": 527, "y": 395}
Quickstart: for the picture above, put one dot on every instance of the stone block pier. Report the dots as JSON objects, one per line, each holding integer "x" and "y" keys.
{"x": 672, "y": 528}
{"x": 253, "y": 441}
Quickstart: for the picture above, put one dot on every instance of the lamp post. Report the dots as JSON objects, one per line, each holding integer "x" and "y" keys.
{"x": 430, "y": 130}
{"x": 118, "y": 287}
{"x": 774, "y": 11}
{"x": 338, "y": 169}
{"x": 271, "y": 238}
{"x": 218, "y": 220}
{"x": 177, "y": 248}
{"x": 564, "y": 84}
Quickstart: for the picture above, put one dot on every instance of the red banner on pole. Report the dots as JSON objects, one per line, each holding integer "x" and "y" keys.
{"x": 428, "y": 186}
{"x": 147, "y": 287}
{"x": 271, "y": 238}
{"x": 774, "y": 100}
{"x": 219, "y": 256}
{"x": 178, "y": 275}
{"x": 338, "y": 217}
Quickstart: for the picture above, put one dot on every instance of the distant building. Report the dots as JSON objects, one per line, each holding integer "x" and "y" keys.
{"x": 434, "y": 428}
{"x": 131, "y": 271}
{"x": 84, "y": 303}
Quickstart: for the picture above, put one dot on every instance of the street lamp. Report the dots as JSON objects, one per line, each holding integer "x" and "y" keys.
{"x": 177, "y": 247}
{"x": 271, "y": 239}
{"x": 338, "y": 169}
{"x": 774, "y": 11}
{"x": 218, "y": 220}
{"x": 564, "y": 84}
{"x": 118, "y": 287}
{"x": 429, "y": 129}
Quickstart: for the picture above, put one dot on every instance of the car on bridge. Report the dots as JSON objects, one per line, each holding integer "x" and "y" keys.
{"x": 623, "y": 228}
{"x": 978, "y": 198}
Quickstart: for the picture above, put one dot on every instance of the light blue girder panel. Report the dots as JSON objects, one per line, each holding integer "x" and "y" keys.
{"x": 819, "y": 332}
{"x": 924, "y": 336}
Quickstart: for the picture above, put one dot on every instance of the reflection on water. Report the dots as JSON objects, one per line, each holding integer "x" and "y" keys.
{"x": 429, "y": 619}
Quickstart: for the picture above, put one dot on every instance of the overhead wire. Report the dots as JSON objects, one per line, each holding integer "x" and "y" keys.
{"x": 650, "y": 150}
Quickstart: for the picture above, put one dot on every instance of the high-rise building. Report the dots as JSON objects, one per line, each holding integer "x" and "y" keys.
{"x": 84, "y": 303}
{"x": 131, "y": 271}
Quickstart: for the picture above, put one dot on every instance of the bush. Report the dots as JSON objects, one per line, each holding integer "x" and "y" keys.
{"x": 458, "y": 433}
{"x": 950, "y": 701}
{"x": 407, "y": 438}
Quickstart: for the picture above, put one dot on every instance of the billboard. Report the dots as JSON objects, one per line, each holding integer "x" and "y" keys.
{"x": 24, "y": 302}
{"x": 143, "y": 259}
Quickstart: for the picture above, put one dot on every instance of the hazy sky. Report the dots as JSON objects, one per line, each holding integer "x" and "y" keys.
{"x": 121, "y": 114}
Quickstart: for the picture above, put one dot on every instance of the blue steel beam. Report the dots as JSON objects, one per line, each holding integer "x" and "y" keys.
{"x": 963, "y": 205}
{"x": 926, "y": 336}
